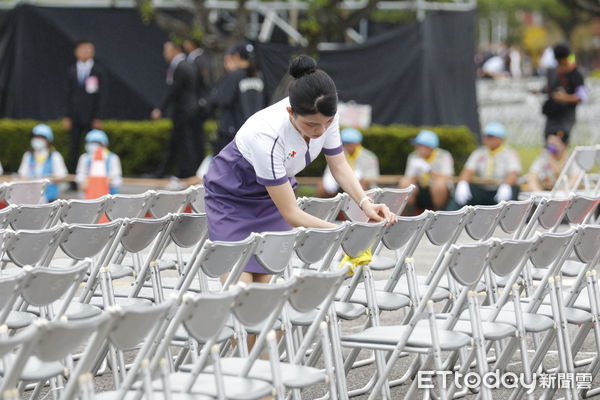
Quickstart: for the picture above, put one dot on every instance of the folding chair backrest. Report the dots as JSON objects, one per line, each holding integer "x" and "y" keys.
{"x": 164, "y": 202}
{"x": 314, "y": 244}
{"x": 27, "y": 247}
{"x": 134, "y": 323}
{"x": 549, "y": 247}
{"x": 25, "y": 192}
{"x": 325, "y": 209}
{"x": 43, "y": 286}
{"x": 468, "y": 261}
{"x": 5, "y": 216}
{"x": 206, "y": 314}
{"x": 256, "y": 301}
{"x": 509, "y": 254}
{"x": 9, "y": 285}
{"x": 587, "y": 244}
{"x": 9, "y": 343}
{"x": 197, "y": 198}
{"x": 361, "y": 236}
{"x": 580, "y": 207}
{"x": 352, "y": 211}
{"x": 395, "y": 199}
{"x": 274, "y": 250}
{"x": 83, "y": 211}
{"x": 38, "y": 216}
{"x": 552, "y": 212}
{"x": 127, "y": 205}
{"x": 585, "y": 157}
{"x": 514, "y": 214}
{"x": 189, "y": 229}
{"x": 218, "y": 258}
{"x": 397, "y": 235}
{"x": 443, "y": 225}
{"x": 312, "y": 288}
{"x": 140, "y": 232}
{"x": 483, "y": 221}
{"x": 86, "y": 240}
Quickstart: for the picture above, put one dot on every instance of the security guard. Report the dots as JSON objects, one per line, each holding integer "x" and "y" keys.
{"x": 495, "y": 162}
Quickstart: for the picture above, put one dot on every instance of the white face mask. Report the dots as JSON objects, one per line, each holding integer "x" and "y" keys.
{"x": 90, "y": 148}
{"x": 38, "y": 144}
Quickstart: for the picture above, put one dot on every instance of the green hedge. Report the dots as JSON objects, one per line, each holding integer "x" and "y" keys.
{"x": 392, "y": 145}
{"x": 141, "y": 144}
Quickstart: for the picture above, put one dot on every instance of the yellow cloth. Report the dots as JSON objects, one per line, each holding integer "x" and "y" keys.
{"x": 363, "y": 259}
{"x": 490, "y": 161}
{"x": 426, "y": 177}
{"x": 353, "y": 157}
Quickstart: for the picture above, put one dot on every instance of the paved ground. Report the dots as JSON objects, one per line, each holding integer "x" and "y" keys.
{"x": 424, "y": 257}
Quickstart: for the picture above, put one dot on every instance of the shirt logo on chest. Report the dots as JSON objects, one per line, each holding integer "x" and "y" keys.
{"x": 291, "y": 154}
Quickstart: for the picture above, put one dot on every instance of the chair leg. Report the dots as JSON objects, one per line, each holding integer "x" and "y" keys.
{"x": 328, "y": 359}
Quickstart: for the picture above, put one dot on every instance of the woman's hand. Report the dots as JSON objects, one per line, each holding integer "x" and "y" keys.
{"x": 379, "y": 212}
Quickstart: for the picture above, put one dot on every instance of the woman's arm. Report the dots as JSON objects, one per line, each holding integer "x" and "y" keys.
{"x": 284, "y": 198}
{"x": 345, "y": 177}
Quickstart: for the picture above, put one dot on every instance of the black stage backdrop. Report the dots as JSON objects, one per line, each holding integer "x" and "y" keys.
{"x": 417, "y": 74}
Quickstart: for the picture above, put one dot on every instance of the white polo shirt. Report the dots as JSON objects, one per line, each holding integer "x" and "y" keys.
{"x": 276, "y": 150}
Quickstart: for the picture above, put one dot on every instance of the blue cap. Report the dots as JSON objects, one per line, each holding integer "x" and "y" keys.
{"x": 96, "y": 135}
{"x": 351, "y": 135}
{"x": 427, "y": 138}
{"x": 44, "y": 131}
{"x": 495, "y": 129}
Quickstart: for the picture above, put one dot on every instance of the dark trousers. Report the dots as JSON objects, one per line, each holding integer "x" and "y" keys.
{"x": 78, "y": 131}
{"x": 482, "y": 197}
{"x": 183, "y": 148}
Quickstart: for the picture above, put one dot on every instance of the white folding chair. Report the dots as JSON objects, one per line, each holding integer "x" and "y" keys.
{"x": 25, "y": 192}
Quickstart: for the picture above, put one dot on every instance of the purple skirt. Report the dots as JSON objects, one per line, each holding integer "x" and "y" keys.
{"x": 236, "y": 204}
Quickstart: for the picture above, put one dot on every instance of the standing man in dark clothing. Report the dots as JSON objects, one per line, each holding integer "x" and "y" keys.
{"x": 201, "y": 63}
{"x": 238, "y": 95}
{"x": 86, "y": 93}
{"x": 565, "y": 89}
{"x": 181, "y": 101}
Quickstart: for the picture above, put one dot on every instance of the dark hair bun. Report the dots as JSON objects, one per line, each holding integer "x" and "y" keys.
{"x": 302, "y": 65}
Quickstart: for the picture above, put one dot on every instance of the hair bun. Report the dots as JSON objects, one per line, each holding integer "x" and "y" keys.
{"x": 302, "y": 65}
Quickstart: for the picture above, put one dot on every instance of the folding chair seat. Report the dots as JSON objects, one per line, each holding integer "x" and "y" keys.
{"x": 165, "y": 202}
{"x": 325, "y": 209}
{"x": 127, "y": 205}
{"x": 25, "y": 192}
{"x": 197, "y": 199}
{"x": 44, "y": 346}
{"x": 39, "y": 216}
{"x": 83, "y": 211}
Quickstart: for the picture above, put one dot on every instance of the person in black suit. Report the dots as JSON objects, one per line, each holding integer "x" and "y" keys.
{"x": 86, "y": 93}
{"x": 201, "y": 62}
{"x": 181, "y": 102}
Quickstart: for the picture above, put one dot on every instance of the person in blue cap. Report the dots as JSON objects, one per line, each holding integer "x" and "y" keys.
{"x": 93, "y": 140}
{"x": 494, "y": 162}
{"x": 430, "y": 169}
{"x": 363, "y": 162}
{"x": 43, "y": 161}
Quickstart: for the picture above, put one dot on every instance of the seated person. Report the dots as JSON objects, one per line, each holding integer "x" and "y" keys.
{"x": 42, "y": 161}
{"x": 498, "y": 167}
{"x": 546, "y": 168}
{"x": 364, "y": 163}
{"x": 96, "y": 145}
{"x": 430, "y": 169}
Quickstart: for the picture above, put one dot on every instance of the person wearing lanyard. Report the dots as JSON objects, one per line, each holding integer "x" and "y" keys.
{"x": 43, "y": 161}
{"x": 496, "y": 162}
{"x": 249, "y": 184}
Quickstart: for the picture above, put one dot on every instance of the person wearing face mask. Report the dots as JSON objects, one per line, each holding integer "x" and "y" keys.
{"x": 94, "y": 140}
{"x": 494, "y": 162}
{"x": 546, "y": 168}
{"x": 249, "y": 184}
{"x": 43, "y": 161}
